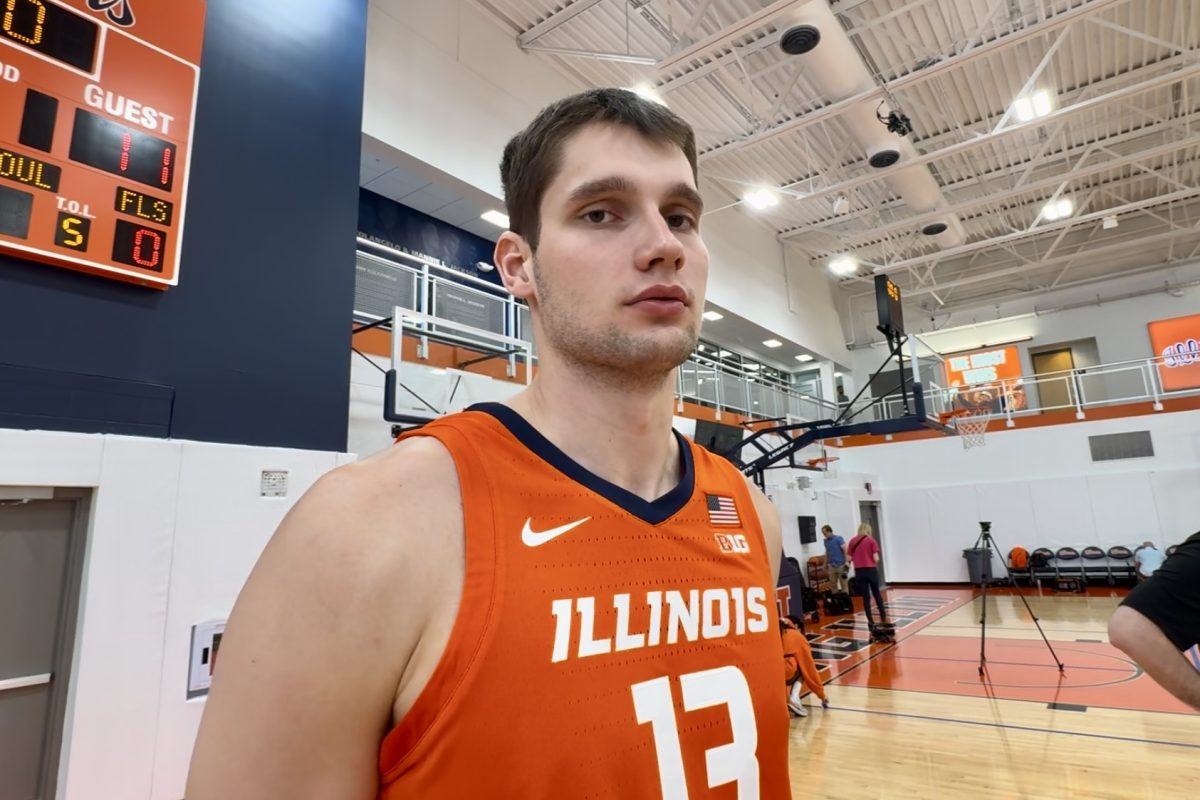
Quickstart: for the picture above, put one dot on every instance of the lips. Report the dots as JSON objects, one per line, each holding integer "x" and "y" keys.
{"x": 663, "y": 293}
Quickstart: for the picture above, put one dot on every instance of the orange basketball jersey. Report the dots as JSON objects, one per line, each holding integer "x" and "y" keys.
{"x": 606, "y": 646}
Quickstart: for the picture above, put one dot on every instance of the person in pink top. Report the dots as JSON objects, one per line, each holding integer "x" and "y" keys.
{"x": 864, "y": 554}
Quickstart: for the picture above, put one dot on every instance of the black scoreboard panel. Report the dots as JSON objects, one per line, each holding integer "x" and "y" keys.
{"x": 97, "y": 104}
{"x": 887, "y": 304}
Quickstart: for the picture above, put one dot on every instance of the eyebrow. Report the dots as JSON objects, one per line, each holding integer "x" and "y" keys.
{"x": 617, "y": 184}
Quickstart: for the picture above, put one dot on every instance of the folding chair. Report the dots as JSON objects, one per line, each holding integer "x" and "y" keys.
{"x": 1095, "y": 565}
{"x": 1120, "y": 562}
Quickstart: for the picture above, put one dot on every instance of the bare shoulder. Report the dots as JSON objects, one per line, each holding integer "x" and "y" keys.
{"x": 768, "y": 515}
{"x": 768, "y": 519}
{"x": 325, "y": 628}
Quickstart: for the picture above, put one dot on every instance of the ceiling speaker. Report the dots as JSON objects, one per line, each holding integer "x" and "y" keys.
{"x": 799, "y": 39}
{"x": 884, "y": 158}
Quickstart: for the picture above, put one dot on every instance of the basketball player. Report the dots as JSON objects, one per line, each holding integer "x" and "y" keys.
{"x": 554, "y": 597}
{"x": 799, "y": 668}
{"x": 1158, "y": 625}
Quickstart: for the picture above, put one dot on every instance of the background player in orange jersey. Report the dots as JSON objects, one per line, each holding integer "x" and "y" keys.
{"x": 555, "y": 596}
{"x": 799, "y": 668}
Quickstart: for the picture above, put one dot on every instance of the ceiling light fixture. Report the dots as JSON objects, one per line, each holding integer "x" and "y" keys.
{"x": 843, "y": 265}
{"x": 1038, "y": 104}
{"x": 762, "y": 198}
{"x": 497, "y": 218}
{"x": 804, "y": 357}
{"x": 713, "y": 316}
{"x": 772, "y": 343}
{"x": 646, "y": 91}
{"x": 1058, "y": 209}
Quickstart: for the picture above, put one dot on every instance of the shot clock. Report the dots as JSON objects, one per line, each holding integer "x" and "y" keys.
{"x": 887, "y": 304}
{"x": 97, "y": 104}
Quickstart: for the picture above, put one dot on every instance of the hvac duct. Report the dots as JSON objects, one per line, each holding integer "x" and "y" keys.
{"x": 813, "y": 35}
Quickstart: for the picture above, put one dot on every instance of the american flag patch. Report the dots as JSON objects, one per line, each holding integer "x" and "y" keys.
{"x": 721, "y": 510}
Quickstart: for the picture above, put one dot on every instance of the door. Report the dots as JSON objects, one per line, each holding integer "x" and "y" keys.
{"x": 1054, "y": 391}
{"x": 869, "y": 513}
{"x": 40, "y": 555}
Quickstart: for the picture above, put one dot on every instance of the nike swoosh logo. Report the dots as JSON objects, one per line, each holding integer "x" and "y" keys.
{"x": 537, "y": 538}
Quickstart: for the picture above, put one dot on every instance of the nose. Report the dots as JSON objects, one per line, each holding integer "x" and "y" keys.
{"x": 659, "y": 246}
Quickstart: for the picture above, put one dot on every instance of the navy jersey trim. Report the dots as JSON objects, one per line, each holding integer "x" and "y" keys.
{"x": 650, "y": 511}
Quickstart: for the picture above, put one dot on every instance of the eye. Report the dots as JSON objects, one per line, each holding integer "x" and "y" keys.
{"x": 597, "y": 216}
{"x": 681, "y": 222}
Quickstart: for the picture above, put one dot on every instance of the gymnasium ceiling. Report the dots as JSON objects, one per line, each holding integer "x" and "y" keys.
{"x": 1121, "y": 140}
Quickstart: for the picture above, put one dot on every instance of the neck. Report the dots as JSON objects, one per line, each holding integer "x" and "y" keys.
{"x": 618, "y": 431}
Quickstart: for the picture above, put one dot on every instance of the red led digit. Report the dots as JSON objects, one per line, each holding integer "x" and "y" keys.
{"x": 126, "y": 143}
{"x": 156, "y": 248}
{"x": 166, "y": 170}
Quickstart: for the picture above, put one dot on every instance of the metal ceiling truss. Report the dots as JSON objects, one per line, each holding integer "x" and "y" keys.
{"x": 1122, "y": 141}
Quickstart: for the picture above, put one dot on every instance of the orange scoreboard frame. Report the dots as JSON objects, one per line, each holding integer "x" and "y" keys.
{"x": 97, "y": 108}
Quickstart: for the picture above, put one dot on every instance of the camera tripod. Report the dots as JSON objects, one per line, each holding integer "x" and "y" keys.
{"x": 985, "y": 539}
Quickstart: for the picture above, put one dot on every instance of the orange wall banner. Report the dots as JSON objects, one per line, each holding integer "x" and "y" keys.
{"x": 988, "y": 379}
{"x": 1177, "y": 341}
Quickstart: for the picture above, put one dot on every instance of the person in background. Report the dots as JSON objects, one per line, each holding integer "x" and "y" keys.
{"x": 1158, "y": 624}
{"x": 799, "y": 669}
{"x": 835, "y": 559}
{"x": 864, "y": 554}
{"x": 1146, "y": 560}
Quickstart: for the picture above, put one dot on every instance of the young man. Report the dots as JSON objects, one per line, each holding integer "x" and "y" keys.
{"x": 1158, "y": 625}
{"x": 835, "y": 560}
{"x": 535, "y": 599}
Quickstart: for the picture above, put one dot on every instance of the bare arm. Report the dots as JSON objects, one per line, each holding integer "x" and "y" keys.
{"x": 1141, "y": 640}
{"x": 768, "y": 518}
{"x": 322, "y": 637}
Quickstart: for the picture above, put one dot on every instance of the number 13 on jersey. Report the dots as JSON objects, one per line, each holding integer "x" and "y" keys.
{"x": 736, "y": 761}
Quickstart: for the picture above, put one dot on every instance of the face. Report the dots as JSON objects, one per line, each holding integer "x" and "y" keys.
{"x": 617, "y": 282}
{"x": 827, "y": 533}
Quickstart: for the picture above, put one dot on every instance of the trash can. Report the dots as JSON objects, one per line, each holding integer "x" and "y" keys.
{"x": 979, "y": 566}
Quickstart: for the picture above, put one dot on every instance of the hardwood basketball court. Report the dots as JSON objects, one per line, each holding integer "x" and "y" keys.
{"x": 915, "y": 719}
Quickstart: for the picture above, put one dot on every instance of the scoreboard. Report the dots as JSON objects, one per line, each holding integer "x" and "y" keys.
{"x": 887, "y": 306}
{"x": 97, "y": 107}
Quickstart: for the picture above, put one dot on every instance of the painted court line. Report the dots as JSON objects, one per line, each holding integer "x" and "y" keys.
{"x": 1028, "y": 728}
{"x": 992, "y": 662}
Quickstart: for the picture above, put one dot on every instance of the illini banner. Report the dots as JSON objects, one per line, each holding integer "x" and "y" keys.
{"x": 1177, "y": 341}
{"x": 987, "y": 379}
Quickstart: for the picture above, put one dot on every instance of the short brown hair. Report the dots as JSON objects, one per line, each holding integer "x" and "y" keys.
{"x": 532, "y": 157}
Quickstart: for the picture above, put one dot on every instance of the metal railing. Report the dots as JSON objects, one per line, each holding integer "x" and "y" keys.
{"x": 391, "y": 277}
{"x": 1118, "y": 383}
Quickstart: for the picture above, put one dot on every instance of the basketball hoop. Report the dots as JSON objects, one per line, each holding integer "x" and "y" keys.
{"x": 821, "y": 464}
{"x": 970, "y": 423}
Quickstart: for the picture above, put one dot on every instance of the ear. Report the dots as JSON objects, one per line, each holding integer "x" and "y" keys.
{"x": 514, "y": 262}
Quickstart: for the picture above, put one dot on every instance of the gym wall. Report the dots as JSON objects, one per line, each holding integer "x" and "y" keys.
{"x": 253, "y": 346}
{"x": 1038, "y": 486}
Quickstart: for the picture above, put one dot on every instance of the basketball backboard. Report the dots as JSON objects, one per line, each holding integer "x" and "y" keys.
{"x": 440, "y": 366}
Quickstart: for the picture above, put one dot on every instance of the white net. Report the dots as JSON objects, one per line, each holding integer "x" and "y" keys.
{"x": 972, "y": 427}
